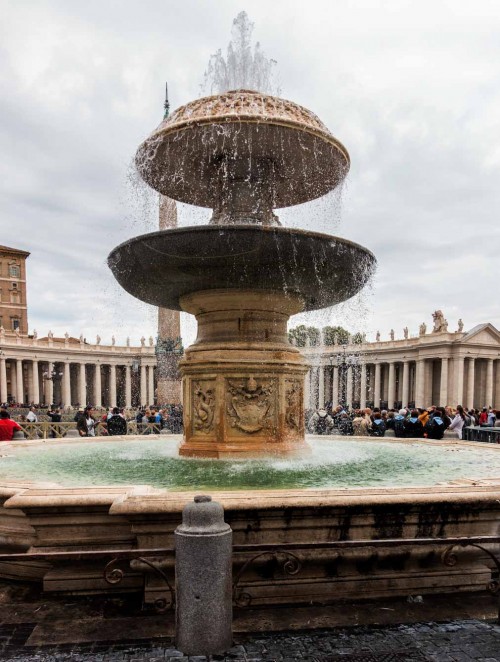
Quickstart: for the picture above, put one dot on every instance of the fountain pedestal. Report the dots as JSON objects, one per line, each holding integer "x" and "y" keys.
{"x": 243, "y": 383}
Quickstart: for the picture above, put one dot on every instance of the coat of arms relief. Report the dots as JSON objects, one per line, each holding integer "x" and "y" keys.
{"x": 250, "y": 404}
{"x": 203, "y": 407}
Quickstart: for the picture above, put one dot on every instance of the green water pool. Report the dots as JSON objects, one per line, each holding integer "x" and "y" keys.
{"x": 332, "y": 463}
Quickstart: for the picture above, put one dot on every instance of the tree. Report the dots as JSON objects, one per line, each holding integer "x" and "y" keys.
{"x": 335, "y": 335}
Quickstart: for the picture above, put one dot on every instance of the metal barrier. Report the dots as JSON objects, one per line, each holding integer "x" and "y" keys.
{"x": 481, "y": 433}
{"x": 48, "y": 430}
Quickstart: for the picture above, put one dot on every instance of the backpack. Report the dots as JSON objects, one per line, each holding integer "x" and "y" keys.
{"x": 117, "y": 425}
{"x": 320, "y": 427}
{"x": 399, "y": 426}
{"x": 378, "y": 428}
{"x": 435, "y": 428}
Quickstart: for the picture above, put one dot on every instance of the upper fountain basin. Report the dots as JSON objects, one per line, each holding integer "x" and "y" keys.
{"x": 182, "y": 157}
{"x": 160, "y": 267}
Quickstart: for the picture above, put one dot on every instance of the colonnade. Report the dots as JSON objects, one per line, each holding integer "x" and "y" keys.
{"x": 468, "y": 380}
{"x": 71, "y": 382}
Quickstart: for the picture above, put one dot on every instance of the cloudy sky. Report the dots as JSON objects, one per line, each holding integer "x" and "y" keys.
{"x": 412, "y": 89}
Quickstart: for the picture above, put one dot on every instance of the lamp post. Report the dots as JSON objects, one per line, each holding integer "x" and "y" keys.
{"x": 55, "y": 376}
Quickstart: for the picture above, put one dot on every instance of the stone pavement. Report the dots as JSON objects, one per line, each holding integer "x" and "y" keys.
{"x": 458, "y": 641}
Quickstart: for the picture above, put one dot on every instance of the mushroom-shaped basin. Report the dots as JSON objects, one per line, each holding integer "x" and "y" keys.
{"x": 182, "y": 158}
{"x": 161, "y": 267}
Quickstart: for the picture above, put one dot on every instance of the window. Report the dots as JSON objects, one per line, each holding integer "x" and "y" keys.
{"x": 14, "y": 297}
{"x": 14, "y": 286}
{"x": 14, "y": 271}
{"x": 15, "y": 324}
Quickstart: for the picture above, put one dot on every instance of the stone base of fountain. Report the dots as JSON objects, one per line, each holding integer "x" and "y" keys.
{"x": 243, "y": 383}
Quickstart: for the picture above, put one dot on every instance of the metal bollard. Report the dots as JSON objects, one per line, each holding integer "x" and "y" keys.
{"x": 203, "y": 579}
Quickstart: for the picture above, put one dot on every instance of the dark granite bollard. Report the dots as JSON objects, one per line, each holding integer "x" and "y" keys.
{"x": 203, "y": 569}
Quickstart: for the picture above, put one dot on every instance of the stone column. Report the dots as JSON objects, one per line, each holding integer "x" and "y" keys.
{"x": 97, "y": 385}
{"x": 19, "y": 381}
{"x": 471, "y": 369}
{"x": 144, "y": 394}
{"x": 36, "y": 383}
{"x": 459, "y": 380}
{"x": 443, "y": 385}
{"x": 489, "y": 384}
{"x": 376, "y": 394}
{"x": 49, "y": 384}
{"x": 420, "y": 383}
{"x": 151, "y": 384}
{"x": 128, "y": 387}
{"x": 112, "y": 385}
{"x": 391, "y": 390}
{"x": 3, "y": 380}
{"x": 349, "y": 383}
{"x": 335, "y": 386}
{"x": 82, "y": 386}
{"x": 321, "y": 387}
{"x": 66, "y": 394}
{"x": 405, "y": 388}
{"x": 362, "y": 387}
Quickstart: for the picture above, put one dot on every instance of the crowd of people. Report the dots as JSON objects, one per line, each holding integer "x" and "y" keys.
{"x": 91, "y": 422}
{"x": 431, "y": 422}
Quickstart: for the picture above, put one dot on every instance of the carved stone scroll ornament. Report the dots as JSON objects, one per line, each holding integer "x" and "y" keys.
{"x": 250, "y": 404}
{"x": 203, "y": 407}
{"x": 293, "y": 411}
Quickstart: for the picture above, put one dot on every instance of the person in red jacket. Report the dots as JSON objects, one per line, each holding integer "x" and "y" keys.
{"x": 483, "y": 417}
{"x": 7, "y": 426}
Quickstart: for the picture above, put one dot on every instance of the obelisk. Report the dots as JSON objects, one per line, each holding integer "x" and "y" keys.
{"x": 169, "y": 343}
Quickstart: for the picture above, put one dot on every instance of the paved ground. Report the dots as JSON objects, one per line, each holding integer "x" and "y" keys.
{"x": 36, "y": 627}
{"x": 438, "y": 642}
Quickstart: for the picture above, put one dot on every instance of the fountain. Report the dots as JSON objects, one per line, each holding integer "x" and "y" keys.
{"x": 242, "y": 153}
{"x": 356, "y": 517}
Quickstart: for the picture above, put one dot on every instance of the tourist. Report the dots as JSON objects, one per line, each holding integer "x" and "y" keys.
{"x": 321, "y": 422}
{"x": 459, "y": 422}
{"x": 497, "y": 419}
{"x": 31, "y": 417}
{"x": 413, "y": 426}
{"x": 55, "y": 417}
{"x": 483, "y": 417}
{"x": 116, "y": 423}
{"x": 345, "y": 424}
{"x": 86, "y": 423}
{"x": 423, "y": 416}
{"x": 361, "y": 425}
{"x": 399, "y": 423}
{"x": 436, "y": 425}
{"x": 7, "y": 426}
{"x": 491, "y": 418}
{"x": 378, "y": 427}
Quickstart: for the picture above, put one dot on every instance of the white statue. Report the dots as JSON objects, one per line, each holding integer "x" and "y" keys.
{"x": 422, "y": 330}
{"x": 392, "y": 334}
{"x": 50, "y": 335}
{"x": 405, "y": 332}
{"x": 460, "y": 326}
{"x": 81, "y": 338}
{"x": 128, "y": 341}
{"x": 440, "y": 324}
{"x": 66, "y": 336}
{"x": 98, "y": 340}
{"x": 35, "y": 334}
{"x": 113, "y": 341}
{"x": 377, "y": 337}
{"x": 143, "y": 341}
{"x": 17, "y": 332}
{"x": 151, "y": 341}
{"x": 445, "y": 326}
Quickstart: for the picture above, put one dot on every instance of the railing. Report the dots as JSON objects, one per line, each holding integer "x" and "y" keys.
{"x": 288, "y": 558}
{"x": 47, "y": 430}
{"x": 484, "y": 434}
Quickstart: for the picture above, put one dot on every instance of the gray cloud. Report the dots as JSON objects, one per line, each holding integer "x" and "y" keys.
{"x": 412, "y": 90}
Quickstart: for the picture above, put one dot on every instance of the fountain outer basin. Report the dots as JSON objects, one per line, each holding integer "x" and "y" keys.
{"x": 307, "y": 160}
{"x": 161, "y": 267}
{"x": 243, "y": 383}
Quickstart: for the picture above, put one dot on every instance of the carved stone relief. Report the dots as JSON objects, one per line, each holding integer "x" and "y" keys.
{"x": 294, "y": 398}
{"x": 250, "y": 404}
{"x": 203, "y": 402}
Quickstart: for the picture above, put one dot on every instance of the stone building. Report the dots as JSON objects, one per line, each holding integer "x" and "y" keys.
{"x": 13, "y": 302}
{"x": 71, "y": 371}
{"x": 439, "y": 367}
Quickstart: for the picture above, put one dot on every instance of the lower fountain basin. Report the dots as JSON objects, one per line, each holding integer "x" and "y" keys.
{"x": 333, "y": 463}
{"x": 161, "y": 267}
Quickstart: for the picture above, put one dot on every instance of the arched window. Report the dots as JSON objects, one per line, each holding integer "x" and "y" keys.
{"x": 14, "y": 271}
